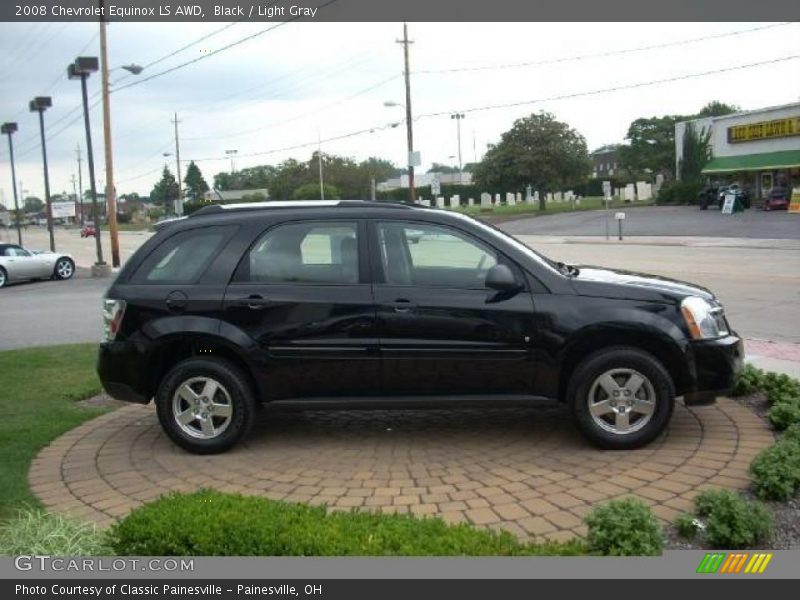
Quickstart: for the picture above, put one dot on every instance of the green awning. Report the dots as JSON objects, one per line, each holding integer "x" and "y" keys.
{"x": 784, "y": 159}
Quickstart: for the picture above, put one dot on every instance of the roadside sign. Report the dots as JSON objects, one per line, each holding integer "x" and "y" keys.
{"x": 619, "y": 216}
{"x": 794, "y": 203}
{"x": 727, "y": 207}
{"x": 63, "y": 210}
{"x": 414, "y": 159}
{"x": 607, "y": 190}
{"x": 436, "y": 185}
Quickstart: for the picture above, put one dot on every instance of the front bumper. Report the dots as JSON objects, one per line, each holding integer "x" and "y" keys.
{"x": 715, "y": 365}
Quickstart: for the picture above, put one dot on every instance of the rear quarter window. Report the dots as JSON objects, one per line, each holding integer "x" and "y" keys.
{"x": 183, "y": 257}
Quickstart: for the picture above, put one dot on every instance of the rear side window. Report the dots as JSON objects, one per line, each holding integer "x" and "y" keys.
{"x": 313, "y": 253}
{"x": 184, "y": 257}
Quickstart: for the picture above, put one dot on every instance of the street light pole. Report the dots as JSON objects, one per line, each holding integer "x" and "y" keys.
{"x": 412, "y": 194}
{"x": 231, "y": 154}
{"x": 179, "y": 203}
{"x": 111, "y": 192}
{"x": 81, "y": 69}
{"x": 9, "y": 129}
{"x": 40, "y": 104}
{"x": 80, "y": 181}
{"x": 458, "y": 117}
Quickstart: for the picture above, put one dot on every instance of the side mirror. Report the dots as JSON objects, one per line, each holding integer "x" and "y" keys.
{"x": 502, "y": 279}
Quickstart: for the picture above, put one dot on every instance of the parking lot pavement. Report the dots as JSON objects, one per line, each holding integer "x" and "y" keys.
{"x": 664, "y": 221}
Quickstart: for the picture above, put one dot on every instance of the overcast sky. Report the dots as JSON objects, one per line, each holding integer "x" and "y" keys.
{"x": 303, "y": 80}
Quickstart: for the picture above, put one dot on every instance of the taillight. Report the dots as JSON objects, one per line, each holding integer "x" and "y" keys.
{"x": 113, "y": 311}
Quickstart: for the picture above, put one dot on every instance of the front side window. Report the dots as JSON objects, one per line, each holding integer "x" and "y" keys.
{"x": 311, "y": 253}
{"x": 184, "y": 257}
{"x": 16, "y": 251}
{"x": 426, "y": 255}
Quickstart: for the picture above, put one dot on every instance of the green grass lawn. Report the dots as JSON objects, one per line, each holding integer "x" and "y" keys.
{"x": 39, "y": 401}
{"x": 588, "y": 203}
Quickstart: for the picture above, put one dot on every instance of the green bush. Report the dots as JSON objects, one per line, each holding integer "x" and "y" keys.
{"x": 749, "y": 381}
{"x": 785, "y": 412}
{"x": 34, "y": 531}
{"x": 209, "y": 523}
{"x": 624, "y": 528}
{"x": 686, "y": 525}
{"x": 776, "y": 470}
{"x": 677, "y": 192}
{"x": 792, "y": 433}
{"x": 731, "y": 521}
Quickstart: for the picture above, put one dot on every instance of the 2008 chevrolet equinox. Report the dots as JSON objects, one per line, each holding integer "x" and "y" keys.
{"x": 365, "y": 304}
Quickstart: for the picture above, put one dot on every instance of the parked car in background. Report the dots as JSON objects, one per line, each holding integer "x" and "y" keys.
{"x": 19, "y": 264}
{"x": 333, "y": 304}
{"x": 88, "y": 230}
{"x": 778, "y": 199}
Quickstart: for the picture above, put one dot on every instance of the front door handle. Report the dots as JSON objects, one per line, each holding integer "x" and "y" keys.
{"x": 253, "y": 302}
{"x": 402, "y": 305}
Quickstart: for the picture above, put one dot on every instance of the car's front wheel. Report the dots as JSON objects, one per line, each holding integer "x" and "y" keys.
{"x": 621, "y": 397}
{"x": 3, "y": 277}
{"x": 64, "y": 268}
{"x": 205, "y": 405}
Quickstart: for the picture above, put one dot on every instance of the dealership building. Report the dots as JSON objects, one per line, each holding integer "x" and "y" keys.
{"x": 758, "y": 149}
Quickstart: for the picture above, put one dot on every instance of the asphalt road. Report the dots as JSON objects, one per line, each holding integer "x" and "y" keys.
{"x": 664, "y": 221}
{"x": 759, "y": 286}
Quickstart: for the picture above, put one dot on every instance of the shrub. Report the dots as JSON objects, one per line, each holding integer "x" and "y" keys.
{"x": 209, "y": 523}
{"x": 785, "y": 412}
{"x": 34, "y": 531}
{"x": 776, "y": 470}
{"x": 624, "y": 528}
{"x": 686, "y": 525}
{"x": 749, "y": 381}
{"x": 677, "y": 192}
{"x": 731, "y": 521}
{"x": 792, "y": 433}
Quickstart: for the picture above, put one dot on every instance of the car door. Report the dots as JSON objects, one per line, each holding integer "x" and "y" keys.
{"x": 20, "y": 264}
{"x": 302, "y": 294}
{"x": 442, "y": 331}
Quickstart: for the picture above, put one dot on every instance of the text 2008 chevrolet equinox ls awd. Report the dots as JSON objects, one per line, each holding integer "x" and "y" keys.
{"x": 363, "y": 304}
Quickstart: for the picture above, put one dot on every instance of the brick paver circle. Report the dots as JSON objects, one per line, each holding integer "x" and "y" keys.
{"x": 527, "y": 471}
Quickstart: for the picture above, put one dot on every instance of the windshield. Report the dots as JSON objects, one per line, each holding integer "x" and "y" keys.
{"x": 528, "y": 251}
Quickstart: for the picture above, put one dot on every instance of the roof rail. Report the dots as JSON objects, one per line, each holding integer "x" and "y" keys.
{"x": 273, "y": 204}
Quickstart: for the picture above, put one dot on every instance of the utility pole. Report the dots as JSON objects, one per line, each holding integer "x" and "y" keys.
{"x": 179, "y": 204}
{"x": 80, "y": 181}
{"x": 319, "y": 160}
{"x": 75, "y": 190}
{"x": 412, "y": 194}
{"x": 111, "y": 192}
{"x": 458, "y": 117}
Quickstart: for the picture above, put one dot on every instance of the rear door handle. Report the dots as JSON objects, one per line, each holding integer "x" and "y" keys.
{"x": 253, "y": 302}
{"x": 403, "y": 306}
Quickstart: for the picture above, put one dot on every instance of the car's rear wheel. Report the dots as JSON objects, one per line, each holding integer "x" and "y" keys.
{"x": 621, "y": 397}
{"x": 64, "y": 268}
{"x": 205, "y": 405}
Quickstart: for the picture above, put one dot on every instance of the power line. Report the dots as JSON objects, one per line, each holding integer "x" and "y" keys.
{"x": 617, "y": 88}
{"x": 552, "y": 61}
{"x": 218, "y": 50}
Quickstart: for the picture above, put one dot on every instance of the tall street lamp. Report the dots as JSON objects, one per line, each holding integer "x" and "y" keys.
{"x": 232, "y": 154}
{"x": 458, "y": 117}
{"x": 9, "y": 129}
{"x": 41, "y": 104}
{"x": 81, "y": 69}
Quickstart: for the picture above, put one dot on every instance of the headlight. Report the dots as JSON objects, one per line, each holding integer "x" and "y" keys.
{"x": 704, "y": 320}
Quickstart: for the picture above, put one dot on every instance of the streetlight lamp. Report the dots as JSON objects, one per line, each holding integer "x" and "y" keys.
{"x": 9, "y": 129}
{"x": 231, "y": 154}
{"x": 458, "y": 117}
{"x": 81, "y": 69}
{"x": 41, "y": 104}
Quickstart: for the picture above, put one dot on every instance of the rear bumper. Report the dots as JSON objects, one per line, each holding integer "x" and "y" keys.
{"x": 716, "y": 363}
{"x": 122, "y": 371}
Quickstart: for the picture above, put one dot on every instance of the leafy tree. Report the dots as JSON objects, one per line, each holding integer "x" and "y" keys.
{"x": 251, "y": 178}
{"x": 32, "y": 204}
{"x": 196, "y": 186}
{"x": 440, "y": 168}
{"x": 696, "y": 153}
{"x": 289, "y": 175}
{"x": 652, "y": 145}
{"x": 310, "y": 191}
{"x": 166, "y": 190}
{"x": 715, "y": 108}
{"x": 538, "y": 151}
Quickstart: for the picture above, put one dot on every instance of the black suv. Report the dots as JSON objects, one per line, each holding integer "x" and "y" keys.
{"x": 362, "y": 304}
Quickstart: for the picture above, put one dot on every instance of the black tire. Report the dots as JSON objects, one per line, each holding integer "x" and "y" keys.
{"x": 621, "y": 358}
{"x": 3, "y": 277}
{"x": 241, "y": 399}
{"x": 57, "y": 271}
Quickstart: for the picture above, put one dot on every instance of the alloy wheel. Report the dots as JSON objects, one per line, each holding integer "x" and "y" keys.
{"x": 64, "y": 269}
{"x": 202, "y": 408}
{"x": 621, "y": 401}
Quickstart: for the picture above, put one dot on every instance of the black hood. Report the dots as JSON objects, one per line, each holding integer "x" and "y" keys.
{"x": 611, "y": 283}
